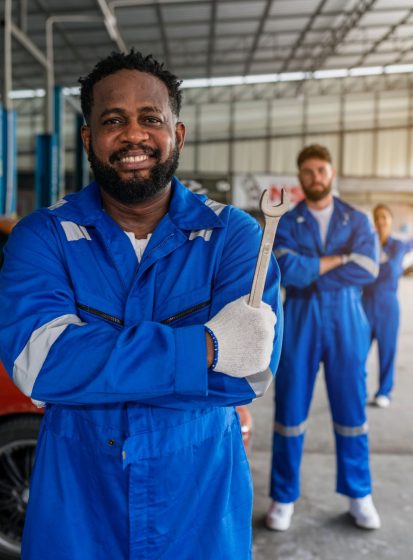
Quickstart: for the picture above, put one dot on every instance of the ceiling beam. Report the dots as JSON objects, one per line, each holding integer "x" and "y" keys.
{"x": 164, "y": 37}
{"x": 211, "y": 38}
{"x": 257, "y": 37}
{"x": 337, "y": 36}
{"x": 68, "y": 43}
{"x": 303, "y": 35}
{"x": 384, "y": 38}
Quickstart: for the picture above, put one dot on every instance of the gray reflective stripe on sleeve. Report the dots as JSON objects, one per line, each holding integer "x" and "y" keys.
{"x": 205, "y": 233}
{"x": 57, "y": 204}
{"x": 349, "y": 431}
{"x": 259, "y": 382}
{"x": 31, "y": 359}
{"x": 365, "y": 262}
{"x": 290, "y": 431}
{"x": 74, "y": 232}
{"x": 216, "y": 207}
{"x": 280, "y": 252}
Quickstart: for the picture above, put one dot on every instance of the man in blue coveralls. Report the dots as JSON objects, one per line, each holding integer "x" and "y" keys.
{"x": 327, "y": 251}
{"x": 123, "y": 311}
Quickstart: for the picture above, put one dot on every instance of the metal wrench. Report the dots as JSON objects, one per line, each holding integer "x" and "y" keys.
{"x": 272, "y": 215}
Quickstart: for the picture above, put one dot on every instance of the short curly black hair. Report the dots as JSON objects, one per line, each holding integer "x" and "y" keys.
{"x": 133, "y": 60}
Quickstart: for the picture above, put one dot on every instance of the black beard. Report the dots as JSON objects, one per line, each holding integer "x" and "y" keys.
{"x": 315, "y": 196}
{"x": 134, "y": 190}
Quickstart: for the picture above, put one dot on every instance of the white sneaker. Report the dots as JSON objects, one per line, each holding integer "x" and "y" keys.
{"x": 382, "y": 401}
{"x": 279, "y": 516}
{"x": 364, "y": 513}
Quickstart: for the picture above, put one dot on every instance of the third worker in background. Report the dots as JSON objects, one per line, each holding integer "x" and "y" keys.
{"x": 327, "y": 251}
{"x": 381, "y": 303}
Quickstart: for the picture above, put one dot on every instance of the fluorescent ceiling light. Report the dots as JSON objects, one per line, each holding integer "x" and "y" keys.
{"x": 71, "y": 90}
{"x": 366, "y": 71}
{"x": 398, "y": 69}
{"x": 27, "y": 93}
{"x": 324, "y": 74}
{"x": 255, "y": 79}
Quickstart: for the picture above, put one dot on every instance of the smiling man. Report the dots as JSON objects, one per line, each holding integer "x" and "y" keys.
{"x": 123, "y": 311}
{"x": 327, "y": 251}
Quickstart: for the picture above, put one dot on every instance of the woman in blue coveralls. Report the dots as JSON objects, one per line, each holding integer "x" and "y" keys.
{"x": 381, "y": 303}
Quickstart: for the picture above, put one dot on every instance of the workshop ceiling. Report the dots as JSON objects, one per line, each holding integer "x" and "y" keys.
{"x": 211, "y": 38}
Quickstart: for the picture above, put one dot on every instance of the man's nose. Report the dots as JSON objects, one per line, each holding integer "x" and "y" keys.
{"x": 134, "y": 133}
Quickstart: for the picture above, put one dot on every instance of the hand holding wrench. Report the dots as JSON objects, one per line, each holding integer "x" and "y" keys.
{"x": 272, "y": 215}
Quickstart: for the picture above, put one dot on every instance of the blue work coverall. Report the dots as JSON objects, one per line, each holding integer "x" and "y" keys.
{"x": 140, "y": 454}
{"x": 324, "y": 322}
{"x": 383, "y": 312}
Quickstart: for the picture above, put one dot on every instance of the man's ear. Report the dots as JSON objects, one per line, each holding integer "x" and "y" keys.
{"x": 85, "y": 133}
{"x": 180, "y": 132}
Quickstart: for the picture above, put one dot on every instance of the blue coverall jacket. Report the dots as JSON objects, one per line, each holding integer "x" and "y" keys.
{"x": 140, "y": 454}
{"x": 324, "y": 323}
{"x": 383, "y": 311}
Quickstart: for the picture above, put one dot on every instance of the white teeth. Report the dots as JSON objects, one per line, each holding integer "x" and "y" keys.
{"x": 134, "y": 159}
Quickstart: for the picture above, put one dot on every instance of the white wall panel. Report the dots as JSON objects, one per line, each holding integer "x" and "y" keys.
{"x": 188, "y": 116}
{"x": 359, "y": 111}
{"x": 391, "y": 154}
{"x": 250, "y": 118}
{"x": 249, "y": 157}
{"x": 287, "y": 116}
{"x": 214, "y": 158}
{"x": 393, "y": 108}
{"x": 358, "y": 154}
{"x": 214, "y": 121}
{"x": 323, "y": 114}
{"x": 187, "y": 159}
{"x": 284, "y": 154}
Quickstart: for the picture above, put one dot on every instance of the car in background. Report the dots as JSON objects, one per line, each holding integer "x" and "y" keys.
{"x": 19, "y": 426}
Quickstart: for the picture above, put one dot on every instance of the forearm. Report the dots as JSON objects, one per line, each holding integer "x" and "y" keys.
{"x": 330, "y": 262}
{"x": 210, "y": 349}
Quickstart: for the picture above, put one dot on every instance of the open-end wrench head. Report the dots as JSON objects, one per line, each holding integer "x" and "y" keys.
{"x": 274, "y": 211}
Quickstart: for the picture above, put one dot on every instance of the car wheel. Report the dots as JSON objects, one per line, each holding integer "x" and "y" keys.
{"x": 18, "y": 438}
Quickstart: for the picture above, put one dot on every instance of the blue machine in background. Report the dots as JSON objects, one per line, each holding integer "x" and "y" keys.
{"x": 8, "y": 162}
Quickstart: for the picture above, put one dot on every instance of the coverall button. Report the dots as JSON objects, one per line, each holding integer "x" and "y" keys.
{"x": 111, "y": 442}
{"x": 123, "y": 455}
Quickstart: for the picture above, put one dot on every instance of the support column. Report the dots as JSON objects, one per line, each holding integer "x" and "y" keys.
{"x": 8, "y": 181}
{"x": 59, "y": 115}
{"x": 46, "y": 170}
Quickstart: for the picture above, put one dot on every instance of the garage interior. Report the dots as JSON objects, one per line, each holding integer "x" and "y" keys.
{"x": 261, "y": 79}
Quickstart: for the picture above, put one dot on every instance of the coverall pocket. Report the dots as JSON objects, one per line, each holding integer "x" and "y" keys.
{"x": 187, "y": 309}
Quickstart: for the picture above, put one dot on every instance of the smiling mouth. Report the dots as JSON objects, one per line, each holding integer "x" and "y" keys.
{"x": 134, "y": 159}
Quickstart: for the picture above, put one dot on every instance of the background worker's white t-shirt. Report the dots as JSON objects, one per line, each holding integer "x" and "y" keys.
{"x": 323, "y": 218}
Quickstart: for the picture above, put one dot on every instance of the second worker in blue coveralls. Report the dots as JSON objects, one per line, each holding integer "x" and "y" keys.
{"x": 327, "y": 251}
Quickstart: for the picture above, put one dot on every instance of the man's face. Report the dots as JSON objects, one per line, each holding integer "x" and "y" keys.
{"x": 316, "y": 177}
{"x": 133, "y": 139}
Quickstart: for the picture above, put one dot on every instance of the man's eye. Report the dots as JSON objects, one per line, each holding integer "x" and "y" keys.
{"x": 153, "y": 120}
{"x": 113, "y": 120}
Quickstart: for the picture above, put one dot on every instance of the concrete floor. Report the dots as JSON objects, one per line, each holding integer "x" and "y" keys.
{"x": 321, "y": 528}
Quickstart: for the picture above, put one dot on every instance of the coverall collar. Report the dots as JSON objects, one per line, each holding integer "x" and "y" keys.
{"x": 187, "y": 211}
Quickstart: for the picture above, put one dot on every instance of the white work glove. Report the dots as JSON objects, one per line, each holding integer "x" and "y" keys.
{"x": 245, "y": 337}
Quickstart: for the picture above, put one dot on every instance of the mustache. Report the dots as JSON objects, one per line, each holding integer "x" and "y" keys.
{"x": 319, "y": 184}
{"x": 119, "y": 154}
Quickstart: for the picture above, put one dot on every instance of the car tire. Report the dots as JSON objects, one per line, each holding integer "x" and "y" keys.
{"x": 18, "y": 438}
